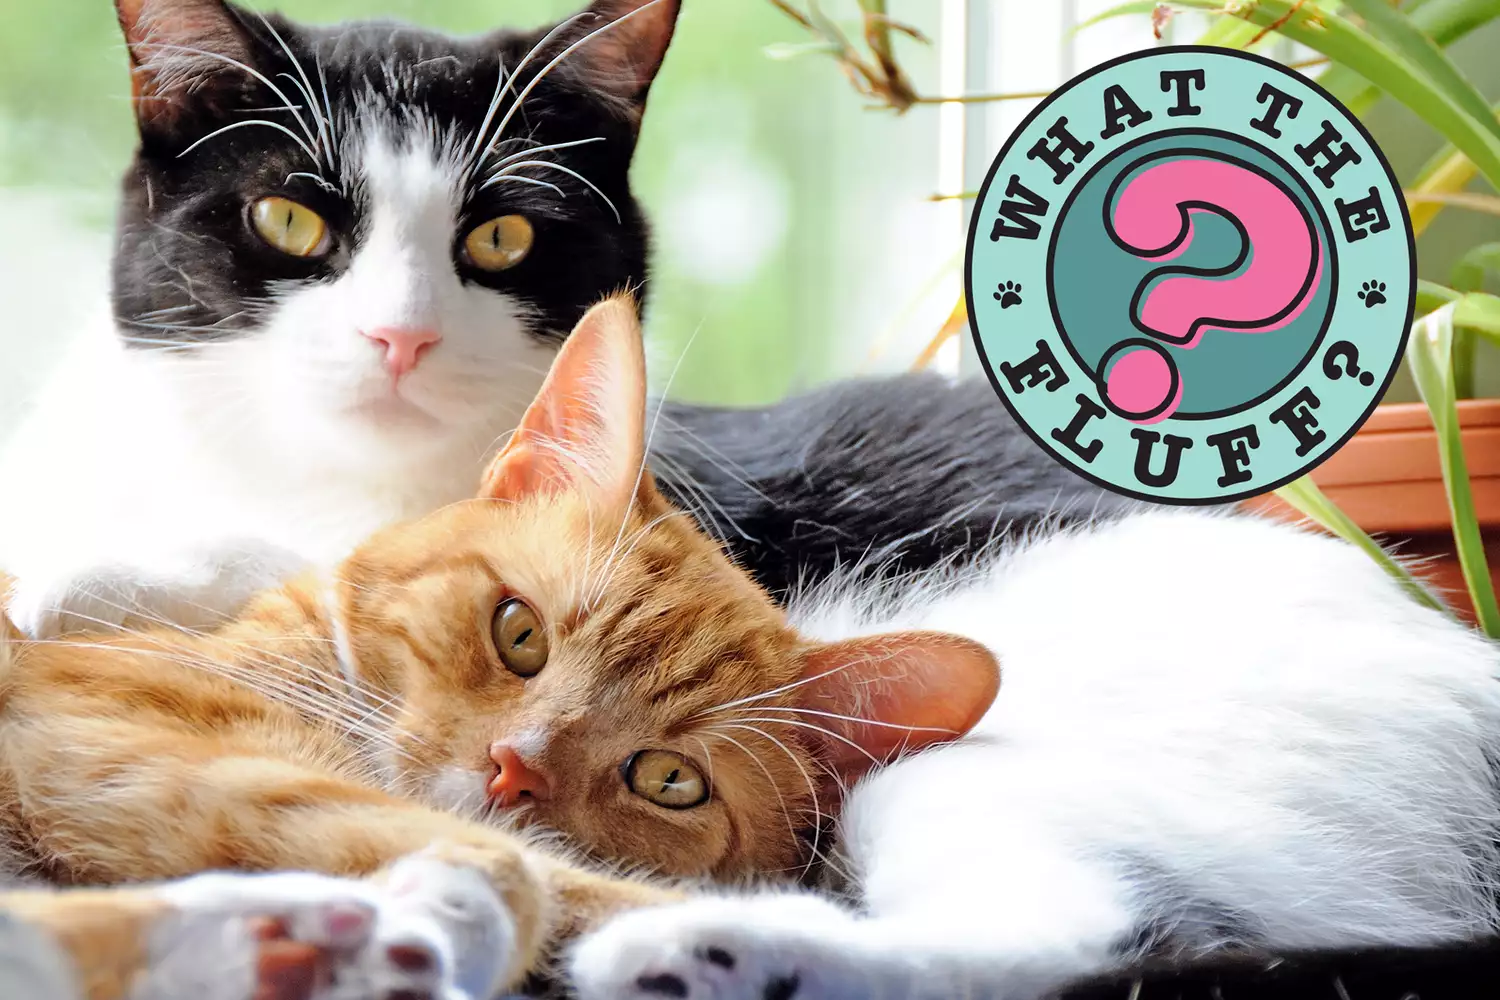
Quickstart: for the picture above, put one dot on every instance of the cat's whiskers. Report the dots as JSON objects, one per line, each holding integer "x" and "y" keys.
{"x": 877, "y": 762}
{"x": 691, "y": 498}
{"x": 509, "y": 174}
{"x": 280, "y": 690}
{"x": 322, "y": 182}
{"x": 542, "y": 73}
{"x": 525, "y": 180}
{"x": 786, "y": 814}
{"x": 305, "y": 84}
{"x": 324, "y": 696}
{"x": 716, "y": 457}
{"x": 308, "y": 141}
{"x": 750, "y": 699}
{"x": 848, "y": 718}
{"x": 705, "y": 508}
{"x": 708, "y": 759}
{"x": 327, "y": 104}
{"x": 495, "y": 101}
{"x": 635, "y": 540}
{"x": 535, "y": 149}
{"x": 247, "y": 123}
{"x": 811, "y": 788}
{"x": 503, "y": 80}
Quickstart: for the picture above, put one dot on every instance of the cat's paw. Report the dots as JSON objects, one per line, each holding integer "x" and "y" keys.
{"x": 197, "y": 587}
{"x": 293, "y": 936}
{"x": 459, "y": 898}
{"x": 782, "y": 947}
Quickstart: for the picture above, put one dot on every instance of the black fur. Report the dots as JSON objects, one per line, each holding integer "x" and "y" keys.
{"x": 1463, "y": 971}
{"x": 908, "y": 470}
{"x": 188, "y": 266}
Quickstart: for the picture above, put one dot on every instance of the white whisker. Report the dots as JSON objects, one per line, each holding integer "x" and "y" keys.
{"x": 508, "y": 172}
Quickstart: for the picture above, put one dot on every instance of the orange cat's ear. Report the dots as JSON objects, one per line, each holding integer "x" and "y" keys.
{"x": 884, "y": 695}
{"x": 586, "y": 428}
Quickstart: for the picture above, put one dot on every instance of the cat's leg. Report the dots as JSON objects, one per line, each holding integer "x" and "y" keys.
{"x": 183, "y": 801}
{"x": 189, "y": 586}
{"x": 796, "y": 945}
{"x": 239, "y": 937}
{"x": 966, "y": 890}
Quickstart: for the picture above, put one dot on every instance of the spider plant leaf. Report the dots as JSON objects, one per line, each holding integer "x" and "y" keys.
{"x": 1429, "y": 353}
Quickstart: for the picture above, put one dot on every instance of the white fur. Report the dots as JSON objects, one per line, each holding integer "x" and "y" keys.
{"x": 139, "y": 470}
{"x": 202, "y": 947}
{"x": 1194, "y": 709}
{"x": 34, "y": 966}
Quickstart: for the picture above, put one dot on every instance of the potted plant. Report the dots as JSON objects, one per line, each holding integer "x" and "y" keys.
{"x": 1424, "y": 477}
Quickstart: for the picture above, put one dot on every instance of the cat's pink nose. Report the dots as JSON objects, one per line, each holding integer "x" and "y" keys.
{"x": 515, "y": 781}
{"x": 403, "y": 346}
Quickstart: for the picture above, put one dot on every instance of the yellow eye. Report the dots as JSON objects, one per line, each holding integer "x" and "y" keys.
{"x": 520, "y": 638}
{"x": 666, "y": 778}
{"x": 500, "y": 243}
{"x": 289, "y": 227}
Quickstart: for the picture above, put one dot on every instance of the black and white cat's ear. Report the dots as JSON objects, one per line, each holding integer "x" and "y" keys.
{"x": 178, "y": 50}
{"x": 627, "y": 41}
{"x": 585, "y": 431}
{"x": 878, "y": 697}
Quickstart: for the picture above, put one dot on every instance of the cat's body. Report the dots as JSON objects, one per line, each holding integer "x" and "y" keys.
{"x": 1213, "y": 733}
{"x": 903, "y": 473}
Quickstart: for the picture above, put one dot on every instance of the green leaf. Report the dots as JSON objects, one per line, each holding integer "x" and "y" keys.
{"x": 1397, "y": 31}
{"x": 1475, "y": 311}
{"x": 1468, "y": 274}
{"x": 1346, "y": 43}
{"x": 1229, "y": 33}
{"x": 1304, "y": 496}
{"x": 1120, "y": 10}
{"x": 1429, "y": 352}
{"x": 1444, "y": 21}
{"x": 783, "y": 51}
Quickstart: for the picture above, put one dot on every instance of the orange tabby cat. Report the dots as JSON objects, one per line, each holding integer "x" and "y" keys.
{"x": 556, "y": 649}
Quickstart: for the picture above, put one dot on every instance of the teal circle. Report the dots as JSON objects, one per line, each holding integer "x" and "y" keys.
{"x": 1066, "y": 291}
{"x": 1222, "y": 372}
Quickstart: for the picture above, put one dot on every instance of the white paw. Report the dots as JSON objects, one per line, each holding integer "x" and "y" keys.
{"x": 471, "y": 914}
{"x": 784, "y": 947}
{"x": 32, "y": 965}
{"x": 293, "y": 936}
{"x": 198, "y": 587}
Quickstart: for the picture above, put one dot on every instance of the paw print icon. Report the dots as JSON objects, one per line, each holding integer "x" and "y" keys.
{"x": 1372, "y": 293}
{"x": 1009, "y": 294}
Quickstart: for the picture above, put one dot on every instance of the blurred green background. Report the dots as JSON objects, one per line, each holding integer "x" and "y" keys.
{"x": 790, "y": 220}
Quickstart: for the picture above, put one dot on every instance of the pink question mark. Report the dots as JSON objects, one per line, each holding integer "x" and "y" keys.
{"x": 1153, "y": 218}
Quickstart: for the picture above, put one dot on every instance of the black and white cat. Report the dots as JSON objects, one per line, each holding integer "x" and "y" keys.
{"x": 345, "y": 258}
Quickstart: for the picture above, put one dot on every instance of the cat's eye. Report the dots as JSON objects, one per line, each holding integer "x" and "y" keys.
{"x": 520, "y": 638}
{"x": 289, "y": 227}
{"x": 500, "y": 243}
{"x": 668, "y": 779}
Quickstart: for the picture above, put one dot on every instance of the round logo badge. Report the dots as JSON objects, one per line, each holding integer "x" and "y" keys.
{"x": 1191, "y": 275}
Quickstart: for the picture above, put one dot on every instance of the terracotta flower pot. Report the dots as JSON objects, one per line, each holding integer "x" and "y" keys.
{"x": 1388, "y": 479}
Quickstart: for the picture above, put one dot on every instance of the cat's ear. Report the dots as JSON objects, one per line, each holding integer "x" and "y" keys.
{"x": 585, "y": 430}
{"x": 178, "y": 50}
{"x": 630, "y": 39}
{"x": 884, "y": 695}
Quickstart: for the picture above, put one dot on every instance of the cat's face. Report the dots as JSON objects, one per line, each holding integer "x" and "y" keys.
{"x": 351, "y": 240}
{"x": 568, "y": 650}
